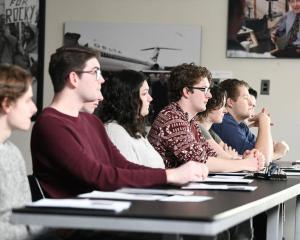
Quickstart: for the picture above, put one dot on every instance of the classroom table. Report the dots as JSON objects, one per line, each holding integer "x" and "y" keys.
{"x": 208, "y": 218}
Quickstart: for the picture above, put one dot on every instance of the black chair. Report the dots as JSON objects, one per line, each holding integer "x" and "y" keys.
{"x": 35, "y": 188}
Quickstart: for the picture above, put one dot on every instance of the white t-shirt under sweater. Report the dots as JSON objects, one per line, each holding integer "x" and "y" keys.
{"x": 14, "y": 191}
{"x": 138, "y": 151}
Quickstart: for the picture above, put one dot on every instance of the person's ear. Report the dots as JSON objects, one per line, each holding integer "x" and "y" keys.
{"x": 73, "y": 79}
{"x": 185, "y": 92}
{"x": 5, "y": 105}
{"x": 229, "y": 102}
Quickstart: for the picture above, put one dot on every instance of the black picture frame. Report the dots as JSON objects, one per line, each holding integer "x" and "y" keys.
{"x": 23, "y": 38}
{"x": 262, "y": 29}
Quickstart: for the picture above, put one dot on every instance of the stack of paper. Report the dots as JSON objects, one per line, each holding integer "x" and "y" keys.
{"x": 116, "y": 206}
{"x": 227, "y": 179}
{"x": 152, "y": 195}
{"x": 120, "y": 196}
{"x": 155, "y": 191}
{"x": 202, "y": 186}
{"x": 230, "y": 173}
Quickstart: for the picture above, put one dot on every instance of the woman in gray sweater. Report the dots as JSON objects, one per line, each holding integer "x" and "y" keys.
{"x": 16, "y": 110}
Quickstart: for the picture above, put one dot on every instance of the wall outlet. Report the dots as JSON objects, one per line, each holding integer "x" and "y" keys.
{"x": 265, "y": 87}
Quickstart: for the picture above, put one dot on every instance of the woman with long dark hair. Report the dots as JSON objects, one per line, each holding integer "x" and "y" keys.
{"x": 124, "y": 110}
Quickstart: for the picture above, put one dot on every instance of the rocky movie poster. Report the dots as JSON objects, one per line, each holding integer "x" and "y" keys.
{"x": 19, "y": 34}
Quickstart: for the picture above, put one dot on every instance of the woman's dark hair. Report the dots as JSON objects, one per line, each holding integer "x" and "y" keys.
{"x": 122, "y": 102}
{"x": 217, "y": 100}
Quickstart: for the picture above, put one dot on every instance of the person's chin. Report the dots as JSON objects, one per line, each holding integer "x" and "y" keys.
{"x": 220, "y": 120}
{"x": 202, "y": 109}
{"x": 25, "y": 127}
{"x": 144, "y": 114}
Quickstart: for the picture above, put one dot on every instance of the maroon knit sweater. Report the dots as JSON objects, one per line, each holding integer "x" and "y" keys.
{"x": 73, "y": 155}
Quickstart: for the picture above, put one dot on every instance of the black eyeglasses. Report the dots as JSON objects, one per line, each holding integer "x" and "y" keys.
{"x": 97, "y": 71}
{"x": 205, "y": 90}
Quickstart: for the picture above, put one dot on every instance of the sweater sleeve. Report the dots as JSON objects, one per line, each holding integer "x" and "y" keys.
{"x": 89, "y": 160}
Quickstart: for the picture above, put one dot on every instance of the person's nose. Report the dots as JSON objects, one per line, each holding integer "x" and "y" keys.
{"x": 208, "y": 95}
{"x": 101, "y": 79}
{"x": 33, "y": 108}
{"x": 150, "y": 98}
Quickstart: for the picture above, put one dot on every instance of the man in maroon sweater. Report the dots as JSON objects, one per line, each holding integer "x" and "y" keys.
{"x": 71, "y": 151}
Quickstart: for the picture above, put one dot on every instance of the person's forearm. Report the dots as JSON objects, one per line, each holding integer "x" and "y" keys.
{"x": 227, "y": 165}
{"x": 218, "y": 149}
{"x": 264, "y": 142}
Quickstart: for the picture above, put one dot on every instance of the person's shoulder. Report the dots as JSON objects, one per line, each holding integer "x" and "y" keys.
{"x": 228, "y": 118}
{"x": 204, "y": 131}
{"x": 91, "y": 119}
{"x": 9, "y": 145}
{"x": 114, "y": 128}
{"x": 49, "y": 113}
{"x": 171, "y": 112}
{"x": 9, "y": 150}
{"x": 49, "y": 117}
{"x": 88, "y": 116}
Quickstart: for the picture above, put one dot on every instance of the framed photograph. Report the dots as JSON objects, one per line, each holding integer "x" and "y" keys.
{"x": 263, "y": 29}
{"x": 22, "y": 39}
{"x": 153, "y": 49}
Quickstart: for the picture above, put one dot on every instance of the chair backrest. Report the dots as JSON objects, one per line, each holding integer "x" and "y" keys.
{"x": 35, "y": 188}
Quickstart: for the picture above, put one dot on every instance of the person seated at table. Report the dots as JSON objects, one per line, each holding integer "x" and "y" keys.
{"x": 233, "y": 130}
{"x": 214, "y": 113}
{"x": 281, "y": 148}
{"x": 175, "y": 134}
{"x": 16, "y": 110}
{"x": 124, "y": 110}
{"x": 71, "y": 151}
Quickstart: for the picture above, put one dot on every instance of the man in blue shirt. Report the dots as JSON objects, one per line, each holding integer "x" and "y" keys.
{"x": 234, "y": 132}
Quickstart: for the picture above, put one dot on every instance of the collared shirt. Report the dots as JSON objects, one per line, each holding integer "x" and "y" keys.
{"x": 177, "y": 139}
{"x": 237, "y": 135}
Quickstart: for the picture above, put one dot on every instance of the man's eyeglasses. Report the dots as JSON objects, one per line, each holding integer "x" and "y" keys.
{"x": 205, "y": 90}
{"x": 97, "y": 71}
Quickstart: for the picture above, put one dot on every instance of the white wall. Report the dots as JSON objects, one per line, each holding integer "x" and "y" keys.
{"x": 282, "y": 101}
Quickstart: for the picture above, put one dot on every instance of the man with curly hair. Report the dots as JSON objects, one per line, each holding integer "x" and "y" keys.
{"x": 175, "y": 134}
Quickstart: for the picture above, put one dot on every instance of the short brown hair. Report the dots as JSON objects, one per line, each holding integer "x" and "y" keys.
{"x": 14, "y": 82}
{"x": 231, "y": 86}
{"x": 66, "y": 60}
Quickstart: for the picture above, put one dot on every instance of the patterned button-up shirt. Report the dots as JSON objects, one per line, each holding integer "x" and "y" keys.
{"x": 177, "y": 139}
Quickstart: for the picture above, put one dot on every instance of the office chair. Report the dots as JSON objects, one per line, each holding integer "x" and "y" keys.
{"x": 35, "y": 188}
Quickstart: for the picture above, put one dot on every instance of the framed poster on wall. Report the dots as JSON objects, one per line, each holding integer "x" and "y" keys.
{"x": 22, "y": 39}
{"x": 263, "y": 29}
{"x": 153, "y": 49}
